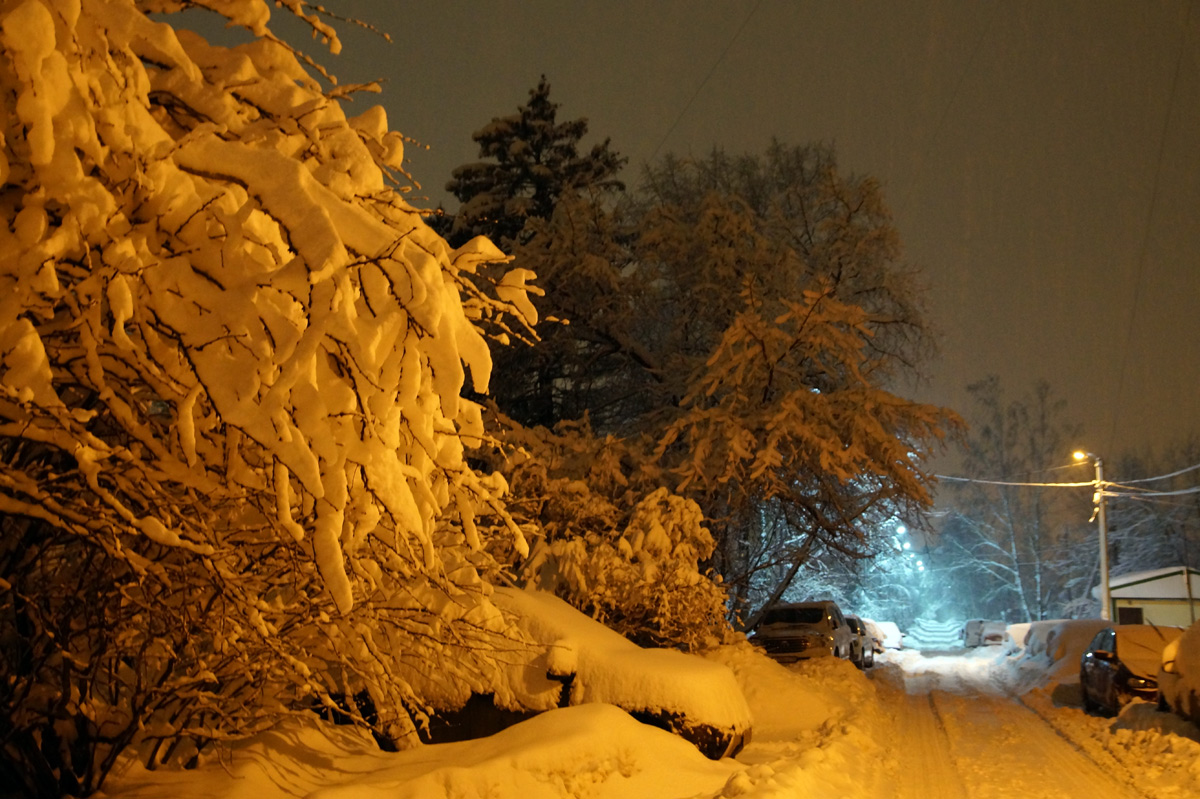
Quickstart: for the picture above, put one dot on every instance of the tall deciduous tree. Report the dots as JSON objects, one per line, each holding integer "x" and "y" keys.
{"x": 1013, "y": 550}
{"x": 232, "y": 441}
{"x": 773, "y": 358}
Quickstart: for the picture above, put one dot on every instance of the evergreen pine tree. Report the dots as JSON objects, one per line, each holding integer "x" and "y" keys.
{"x": 531, "y": 160}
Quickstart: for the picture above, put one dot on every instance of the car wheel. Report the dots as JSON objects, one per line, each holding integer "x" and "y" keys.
{"x": 1163, "y": 707}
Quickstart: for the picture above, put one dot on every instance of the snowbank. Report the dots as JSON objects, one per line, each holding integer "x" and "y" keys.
{"x": 593, "y": 751}
{"x": 816, "y": 726}
{"x": 786, "y": 701}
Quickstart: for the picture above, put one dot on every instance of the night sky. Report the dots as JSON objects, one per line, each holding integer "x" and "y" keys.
{"x": 1042, "y": 160}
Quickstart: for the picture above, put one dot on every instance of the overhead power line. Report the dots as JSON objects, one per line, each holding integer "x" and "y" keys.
{"x": 1107, "y": 484}
{"x": 1151, "y": 494}
{"x": 1007, "y": 483}
{"x": 1122, "y": 370}
{"x": 704, "y": 82}
{"x": 1185, "y": 470}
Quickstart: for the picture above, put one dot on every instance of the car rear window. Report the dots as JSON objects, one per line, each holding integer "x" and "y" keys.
{"x": 794, "y": 616}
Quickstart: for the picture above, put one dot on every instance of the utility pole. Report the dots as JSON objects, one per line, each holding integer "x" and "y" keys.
{"x": 1101, "y": 503}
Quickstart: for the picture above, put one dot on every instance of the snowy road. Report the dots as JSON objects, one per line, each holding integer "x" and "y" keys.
{"x": 990, "y": 747}
{"x": 961, "y": 735}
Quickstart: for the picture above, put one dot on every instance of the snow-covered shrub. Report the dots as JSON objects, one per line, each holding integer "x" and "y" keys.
{"x": 232, "y": 471}
{"x": 607, "y": 540}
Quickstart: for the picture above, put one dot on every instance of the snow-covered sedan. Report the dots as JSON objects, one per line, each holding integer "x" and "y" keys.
{"x": 1179, "y": 675}
{"x": 1121, "y": 663}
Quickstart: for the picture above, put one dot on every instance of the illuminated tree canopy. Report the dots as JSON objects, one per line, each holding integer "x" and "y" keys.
{"x": 232, "y": 469}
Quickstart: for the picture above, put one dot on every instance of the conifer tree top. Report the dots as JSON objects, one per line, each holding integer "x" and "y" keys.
{"x": 531, "y": 160}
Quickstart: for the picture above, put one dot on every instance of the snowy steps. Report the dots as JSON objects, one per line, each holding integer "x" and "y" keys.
{"x": 931, "y": 634}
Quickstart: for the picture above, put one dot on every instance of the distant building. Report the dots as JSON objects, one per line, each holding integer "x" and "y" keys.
{"x": 1168, "y": 596}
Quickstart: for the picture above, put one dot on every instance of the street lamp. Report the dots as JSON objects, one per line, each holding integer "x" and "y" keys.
{"x": 1101, "y": 503}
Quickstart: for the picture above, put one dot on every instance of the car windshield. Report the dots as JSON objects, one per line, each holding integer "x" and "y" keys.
{"x": 811, "y": 615}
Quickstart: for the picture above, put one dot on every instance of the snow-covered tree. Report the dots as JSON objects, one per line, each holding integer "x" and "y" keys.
{"x": 736, "y": 324}
{"x": 771, "y": 382}
{"x": 232, "y": 443}
{"x": 625, "y": 551}
{"x": 837, "y": 224}
{"x": 750, "y": 349}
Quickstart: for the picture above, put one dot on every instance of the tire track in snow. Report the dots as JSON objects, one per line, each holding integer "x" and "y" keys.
{"x": 925, "y": 768}
{"x": 1125, "y": 775}
{"x": 1001, "y": 750}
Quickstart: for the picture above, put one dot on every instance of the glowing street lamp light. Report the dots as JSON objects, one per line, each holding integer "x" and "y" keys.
{"x": 1101, "y": 503}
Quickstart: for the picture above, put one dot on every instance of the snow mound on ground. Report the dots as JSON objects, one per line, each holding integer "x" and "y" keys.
{"x": 1139, "y": 716}
{"x": 817, "y": 725}
{"x": 588, "y": 751}
{"x": 788, "y": 700}
{"x": 611, "y": 669}
{"x": 977, "y": 670}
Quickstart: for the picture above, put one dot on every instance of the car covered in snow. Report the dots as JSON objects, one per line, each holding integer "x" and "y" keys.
{"x": 886, "y": 635}
{"x": 981, "y": 632}
{"x": 795, "y": 631}
{"x": 1121, "y": 663}
{"x": 581, "y": 662}
{"x": 1179, "y": 675}
{"x": 862, "y": 652}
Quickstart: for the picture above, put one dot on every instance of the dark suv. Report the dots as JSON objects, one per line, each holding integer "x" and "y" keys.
{"x": 799, "y": 630}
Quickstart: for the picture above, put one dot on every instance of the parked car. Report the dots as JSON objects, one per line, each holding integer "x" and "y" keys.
{"x": 862, "y": 652}
{"x": 560, "y": 657}
{"x": 981, "y": 632}
{"x": 801, "y": 630}
{"x": 886, "y": 634}
{"x": 1121, "y": 663}
{"x": 583, "y": 661}
{"x": 1179, "y": 676}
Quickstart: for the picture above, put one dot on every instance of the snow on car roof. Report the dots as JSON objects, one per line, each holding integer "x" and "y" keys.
{"x": 1140, "y": 646}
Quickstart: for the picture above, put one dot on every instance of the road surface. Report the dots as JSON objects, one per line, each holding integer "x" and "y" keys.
{"x": 958, "y": 738}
